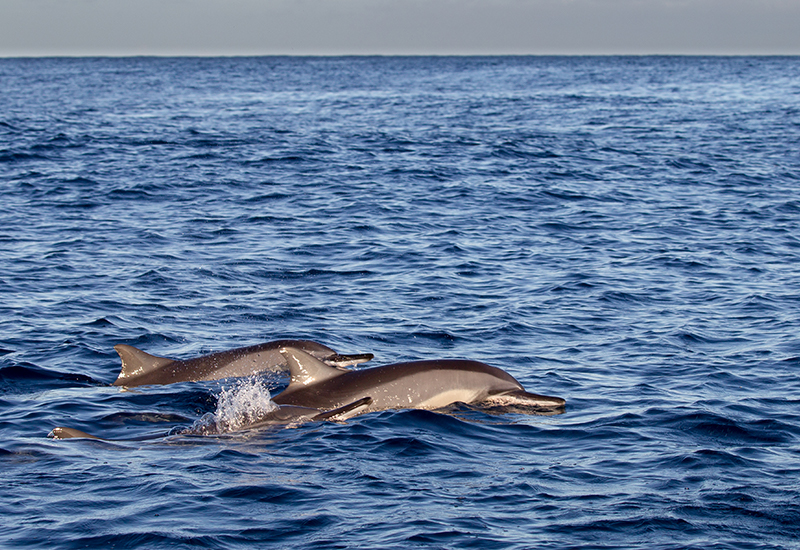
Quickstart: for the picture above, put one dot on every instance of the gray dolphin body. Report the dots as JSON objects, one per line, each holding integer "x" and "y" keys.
{"x": 292, "y": 414}
{"x": 414, "y": 385}
{"x": 140, "y": 368}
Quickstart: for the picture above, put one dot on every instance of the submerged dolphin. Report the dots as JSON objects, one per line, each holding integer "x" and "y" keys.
{"x": 414, "y": 385}
{"x": 280, "y": 415}
{"x": 140, "y": 368}
{"x": 292, "y": 414}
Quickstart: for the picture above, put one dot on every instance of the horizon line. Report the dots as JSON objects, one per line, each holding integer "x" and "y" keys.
{"x": 310, "y": 55}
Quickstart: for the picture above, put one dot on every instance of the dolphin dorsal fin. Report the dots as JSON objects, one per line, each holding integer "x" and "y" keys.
{"x": 136, "y": 362}
{"x": 305, "y": 369}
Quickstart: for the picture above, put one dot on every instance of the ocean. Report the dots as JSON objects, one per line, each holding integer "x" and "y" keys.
{"x": 622, "y": 232}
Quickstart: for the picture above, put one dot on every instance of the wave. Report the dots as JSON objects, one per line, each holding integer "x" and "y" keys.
{"x": 26, "y": 377}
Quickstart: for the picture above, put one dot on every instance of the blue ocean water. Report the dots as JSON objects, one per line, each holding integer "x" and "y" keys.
{"x": 623, "y": 232}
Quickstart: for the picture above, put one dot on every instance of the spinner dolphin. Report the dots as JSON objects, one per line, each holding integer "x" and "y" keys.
{"x": 140, "y": 368}
{"x": 413, "y": 385}
{"x": 279, "y": 416}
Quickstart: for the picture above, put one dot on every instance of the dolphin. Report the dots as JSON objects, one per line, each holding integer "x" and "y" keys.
{"x": 293, "y": 414}
{"x": 140, "y": 368}
{"x": 414, "y": 385}
{"x": 280, "y": 415}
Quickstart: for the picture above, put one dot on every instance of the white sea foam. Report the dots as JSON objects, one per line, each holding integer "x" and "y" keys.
{"x": 243, "y": 404}
{"x": 238, "y": 406}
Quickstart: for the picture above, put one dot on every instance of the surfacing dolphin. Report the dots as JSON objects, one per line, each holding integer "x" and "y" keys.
{"x": 414, "y": 385}
{"x": 140, "y": 368}
{"x": 318, "y": 391}
{"x": 284, "y": 415}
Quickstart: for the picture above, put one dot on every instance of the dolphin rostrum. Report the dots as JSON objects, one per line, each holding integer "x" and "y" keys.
{"x": 140, "y": 368}
{"x": 414, "y": 385}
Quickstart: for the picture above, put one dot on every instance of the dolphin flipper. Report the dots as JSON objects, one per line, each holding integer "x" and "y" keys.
{"x": 327, "y": 415}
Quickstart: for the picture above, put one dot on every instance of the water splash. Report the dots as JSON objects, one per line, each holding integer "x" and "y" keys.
{"x": 239, "y": 406}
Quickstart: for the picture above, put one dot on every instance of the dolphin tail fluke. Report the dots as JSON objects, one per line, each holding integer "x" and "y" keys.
{"x": 135, "y": 362}
{"x": 363, "y": 402}
{"x": 348, "y": 360}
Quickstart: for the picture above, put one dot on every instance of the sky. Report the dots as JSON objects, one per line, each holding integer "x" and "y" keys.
{"x": 397, "y": 27}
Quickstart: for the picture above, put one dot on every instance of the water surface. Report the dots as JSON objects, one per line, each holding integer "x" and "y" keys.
{"x": 621, "y": 232}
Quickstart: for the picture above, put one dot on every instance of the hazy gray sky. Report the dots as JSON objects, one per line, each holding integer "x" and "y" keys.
{"x": 244, "y": 27}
